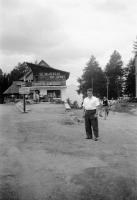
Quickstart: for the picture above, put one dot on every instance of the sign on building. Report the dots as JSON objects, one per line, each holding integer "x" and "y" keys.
{"x": 24, "y": 90}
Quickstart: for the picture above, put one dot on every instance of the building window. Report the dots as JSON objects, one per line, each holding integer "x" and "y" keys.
{"x": 36, "y": 78}
{"x": 54, "y": 93}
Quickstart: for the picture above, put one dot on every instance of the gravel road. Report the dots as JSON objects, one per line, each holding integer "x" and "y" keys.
{"x": 44, "y": 156}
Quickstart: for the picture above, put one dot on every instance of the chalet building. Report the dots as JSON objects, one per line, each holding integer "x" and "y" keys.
{"x": 44, "y": 79}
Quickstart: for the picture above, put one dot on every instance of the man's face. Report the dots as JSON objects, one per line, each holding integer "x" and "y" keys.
{"x": 89, "y": 93}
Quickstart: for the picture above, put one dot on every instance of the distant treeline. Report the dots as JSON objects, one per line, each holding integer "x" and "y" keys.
{"x": 114, "y": 80}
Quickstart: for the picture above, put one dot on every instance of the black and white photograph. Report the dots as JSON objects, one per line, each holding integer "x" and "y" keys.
{"x": 68, "y": 99}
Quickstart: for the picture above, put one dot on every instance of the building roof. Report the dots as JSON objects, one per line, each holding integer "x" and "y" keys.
{"x": 43, "y": 63}
{"x": 37, "y": 68}
{"x": 13, "y": 89}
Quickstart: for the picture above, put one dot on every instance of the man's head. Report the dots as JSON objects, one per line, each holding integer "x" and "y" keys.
{"x": 90, "y": 92}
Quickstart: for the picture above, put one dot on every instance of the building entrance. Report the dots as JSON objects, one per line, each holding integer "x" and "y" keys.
{"x": 54, "y": 94}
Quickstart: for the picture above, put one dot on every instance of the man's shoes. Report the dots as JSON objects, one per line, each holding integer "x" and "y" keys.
{"x": 88, "y": 138}
{"x": 96, "y": 139}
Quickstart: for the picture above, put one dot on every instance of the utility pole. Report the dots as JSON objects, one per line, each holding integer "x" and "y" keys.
{"x": 107, "y": 79}
{"x": 92, "y": 80}
{"x": 107, "y": 86}
{"x": 24, "y": 97}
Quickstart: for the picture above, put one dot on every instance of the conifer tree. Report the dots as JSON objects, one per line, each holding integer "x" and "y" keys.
{"x": 92, "y": 77}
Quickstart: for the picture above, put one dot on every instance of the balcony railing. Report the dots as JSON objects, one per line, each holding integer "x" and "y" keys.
{"x": 49, "y": 83}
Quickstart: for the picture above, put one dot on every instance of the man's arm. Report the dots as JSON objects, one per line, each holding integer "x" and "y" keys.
{"x": 83, "y": 109}
{"x": 97, "y": 107}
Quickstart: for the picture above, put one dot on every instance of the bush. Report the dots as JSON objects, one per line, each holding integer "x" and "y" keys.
{"x": 133, "y": 100}
{"x": 75, "y": 105}
{"x": 69, "y": 101}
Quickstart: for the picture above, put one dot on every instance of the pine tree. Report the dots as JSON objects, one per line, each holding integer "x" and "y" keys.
{"x": 7, "y": 79}
{"x": 17, "y": 72}
{"x": 114, "y": 73}
{"x": 92, "y": 77}
{"x": 130, "y": 78}
{"x": 135, "y": 47}
{"x": 1, "y": 72}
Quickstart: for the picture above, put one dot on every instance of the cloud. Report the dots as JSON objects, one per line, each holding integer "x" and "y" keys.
{"x": 31, "y": 31}
{"x": 8, "y": 4}
{"x": 111, "y": 6}
{"x": 8, "y": 62}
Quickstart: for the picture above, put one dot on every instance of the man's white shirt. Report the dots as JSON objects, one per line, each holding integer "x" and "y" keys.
{"x": 91, "y": 103}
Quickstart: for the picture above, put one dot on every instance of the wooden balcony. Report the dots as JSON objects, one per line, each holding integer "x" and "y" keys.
{"x": 49, "y": 83}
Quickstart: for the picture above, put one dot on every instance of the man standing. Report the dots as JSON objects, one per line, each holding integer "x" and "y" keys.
{"x": 90, "y": 106}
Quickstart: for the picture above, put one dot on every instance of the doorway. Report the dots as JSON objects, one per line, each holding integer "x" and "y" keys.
{"x": 54, "y": 93}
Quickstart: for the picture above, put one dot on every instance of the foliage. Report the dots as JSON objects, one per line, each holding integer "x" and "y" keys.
{"x": 130, "y": 78}
{"x": 114, "y": 72}
{"x": 3, "y": 82}
{"x": 75, "y": 105}
{"x": 135, "y": 47}
{"x": 68, "y": 101}
{"x": 1, "y": 73}
{"x": 92, "y": 77}
{"x": 17, "y": 72}
{"x": 7, "y": 79}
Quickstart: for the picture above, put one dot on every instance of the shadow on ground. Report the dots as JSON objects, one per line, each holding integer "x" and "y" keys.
{"x": 105, "y": 184}
{"x": 92, "y": 184}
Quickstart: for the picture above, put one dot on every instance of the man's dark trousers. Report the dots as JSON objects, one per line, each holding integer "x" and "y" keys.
{"x": 91, "y": 122}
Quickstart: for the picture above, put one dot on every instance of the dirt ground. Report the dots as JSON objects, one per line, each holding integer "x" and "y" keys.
{"x": 44, "y": 155}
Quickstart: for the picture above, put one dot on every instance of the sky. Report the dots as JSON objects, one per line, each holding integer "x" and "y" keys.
{"x": 65, "y": 33}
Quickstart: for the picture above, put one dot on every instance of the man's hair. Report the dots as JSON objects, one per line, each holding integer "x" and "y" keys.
{"x": 89, "y": 90}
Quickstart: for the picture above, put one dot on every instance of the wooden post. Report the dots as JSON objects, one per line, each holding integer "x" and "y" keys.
{"x": 107, "y": 79}
{"x": 107, "y": 89}
{"x": 24, "y": 103}
{"x": 92, "y": 80}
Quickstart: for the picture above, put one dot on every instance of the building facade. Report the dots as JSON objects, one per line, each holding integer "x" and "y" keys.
{"x": 45, "y": 80}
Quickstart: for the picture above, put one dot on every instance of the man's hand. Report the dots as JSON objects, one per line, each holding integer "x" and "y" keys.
{"x": 96, "y": 115}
